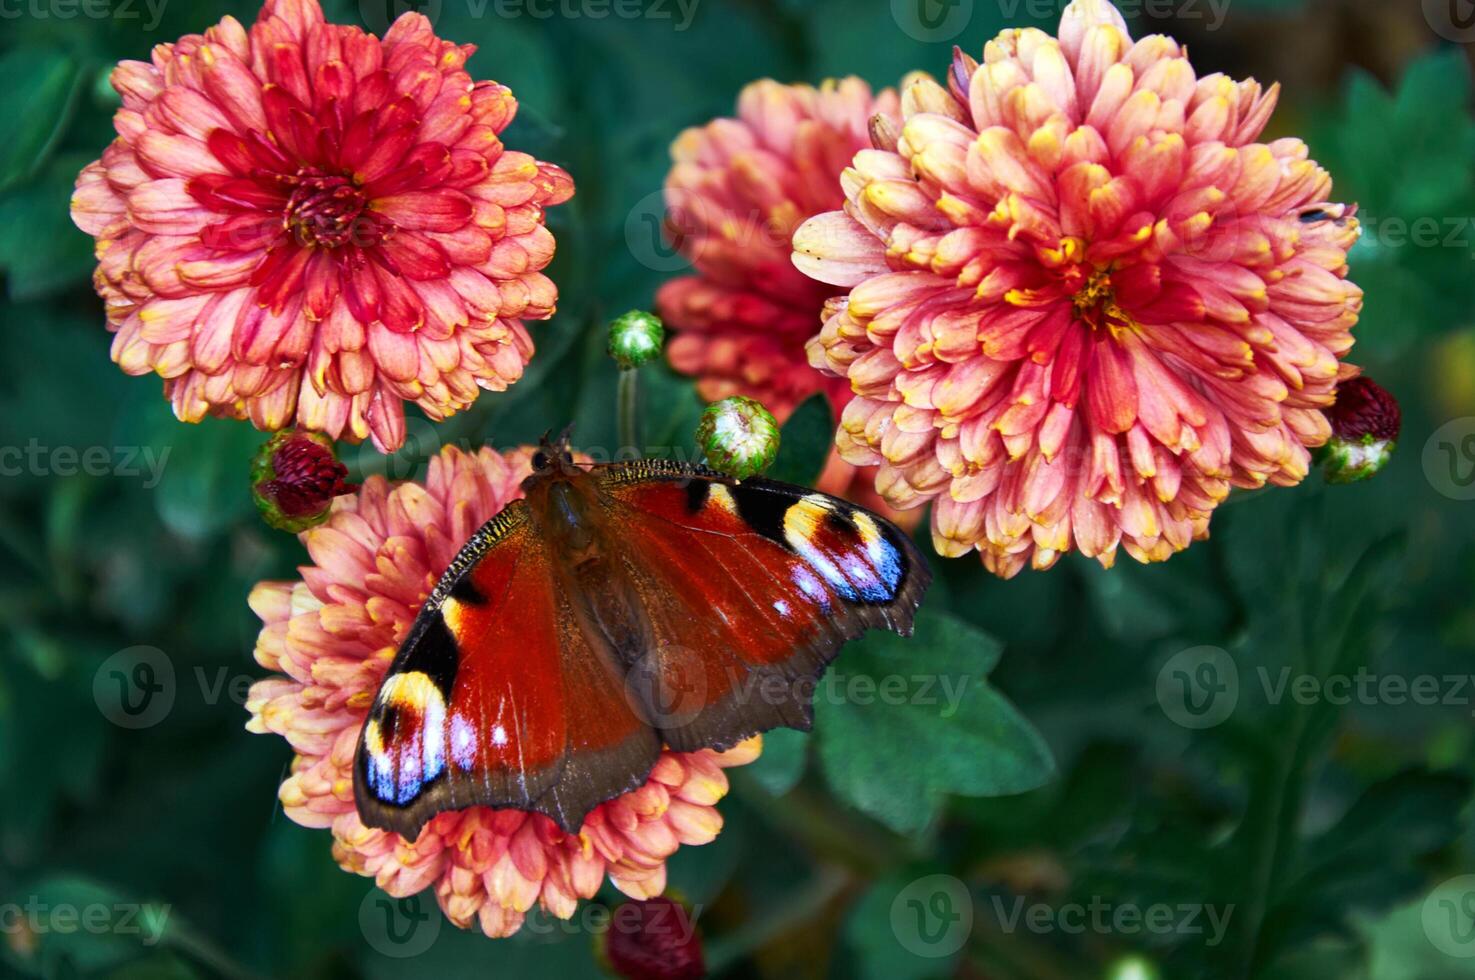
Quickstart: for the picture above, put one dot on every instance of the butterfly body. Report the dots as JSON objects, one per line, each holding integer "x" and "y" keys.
{"x": 612, "y": 611}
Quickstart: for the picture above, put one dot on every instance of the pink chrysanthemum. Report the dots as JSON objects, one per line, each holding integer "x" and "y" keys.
{"x": 1085, "y": 302}
{"x": 305, "y": 223}
{"x": 333, "y": 635}
{"x": 738, "y": 190}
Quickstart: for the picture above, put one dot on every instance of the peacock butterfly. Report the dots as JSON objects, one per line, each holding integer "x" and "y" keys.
{"x": 614, "y": 609}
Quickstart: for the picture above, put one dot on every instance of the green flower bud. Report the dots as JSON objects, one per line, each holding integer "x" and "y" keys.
{"x": 1365, "y": 424}
{"x": 295, "y": 477}
{"x": 636, "y": 338}
{"x": 1133, "y": 968}
{"x": 739, "y": 436}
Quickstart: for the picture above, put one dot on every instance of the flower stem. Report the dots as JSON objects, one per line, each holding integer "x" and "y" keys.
{"x": 627, "y": 409}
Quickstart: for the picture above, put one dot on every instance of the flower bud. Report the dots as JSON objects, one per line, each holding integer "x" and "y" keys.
{"x": 636, "y": 338}
{"x": 655, "y": 939}
{"x": 1365, "y": 423}
{"x": 295, "y": 477}
{"x": 739, "y": 436}
{"x": 1133, "y": 968}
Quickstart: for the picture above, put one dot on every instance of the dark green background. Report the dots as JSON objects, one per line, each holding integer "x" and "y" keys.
{"x": 1325, "y": 826}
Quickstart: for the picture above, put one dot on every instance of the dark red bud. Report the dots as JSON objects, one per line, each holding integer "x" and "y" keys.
{"x": 294, "y": 479}
{"x": 654, "y": 940}
{"x": 1364, "y": 409}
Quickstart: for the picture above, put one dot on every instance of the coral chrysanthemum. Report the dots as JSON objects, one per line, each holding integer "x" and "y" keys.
{"x": 333, "y": 635}
{"x": 738, "y": 190}
{"x": 303, "y": 223}
{"x": 1085, "y": 301}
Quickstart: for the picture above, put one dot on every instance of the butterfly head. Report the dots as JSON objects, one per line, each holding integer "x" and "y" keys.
{"x": 553, "y": 456}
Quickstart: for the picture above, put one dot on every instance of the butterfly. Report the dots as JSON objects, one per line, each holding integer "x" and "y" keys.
{"x": 613, "y": 610}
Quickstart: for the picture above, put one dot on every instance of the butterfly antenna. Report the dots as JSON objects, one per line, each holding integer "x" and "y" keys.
{"x": 563, "y": 437}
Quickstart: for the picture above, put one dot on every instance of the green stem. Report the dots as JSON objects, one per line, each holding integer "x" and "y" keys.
{"x": 627, "y": 409}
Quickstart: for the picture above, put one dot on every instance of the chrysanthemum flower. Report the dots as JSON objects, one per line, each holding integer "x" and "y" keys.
{"x": 1085, "y": 301}
{"x": 738, "y": 190}
{"x": 333, "y": 634}
{"x": 303, "y": 223}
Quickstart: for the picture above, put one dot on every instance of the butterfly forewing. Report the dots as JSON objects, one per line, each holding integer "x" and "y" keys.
{"x": 498, "y": 698}
{"x": 751, "y": 590}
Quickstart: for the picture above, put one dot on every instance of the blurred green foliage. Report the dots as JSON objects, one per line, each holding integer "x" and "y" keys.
{"x": 1333, "y": 834}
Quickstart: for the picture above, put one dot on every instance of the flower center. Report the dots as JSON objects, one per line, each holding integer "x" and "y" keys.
{"x": 328, "y": 210}
{"x": 1095, "y": 303}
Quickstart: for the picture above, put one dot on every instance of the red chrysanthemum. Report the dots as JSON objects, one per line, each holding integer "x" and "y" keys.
{"x": 738, "y": 190}
{"x": 1085, "y": 301}
{"x": 333, "y": 635}
{"x": 302, "y": 222}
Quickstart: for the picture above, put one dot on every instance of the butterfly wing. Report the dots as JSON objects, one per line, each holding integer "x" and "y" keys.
{"x": 750, "y": 588}
{"x": 498, "y": 698}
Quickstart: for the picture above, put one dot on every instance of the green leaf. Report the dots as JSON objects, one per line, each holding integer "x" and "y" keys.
{"x": 40, "y": 89}
{"x": 781, "y": 765}
{"x": 804, "y": 443}
{"x": 41, "y": 251}
{"x": 902, "y": 723}
{"x": 1404, "y": 158}
{"x": 1367, "y": 859}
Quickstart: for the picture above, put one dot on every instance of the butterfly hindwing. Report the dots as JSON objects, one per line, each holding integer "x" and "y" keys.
{"x": 498, "y": 698}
